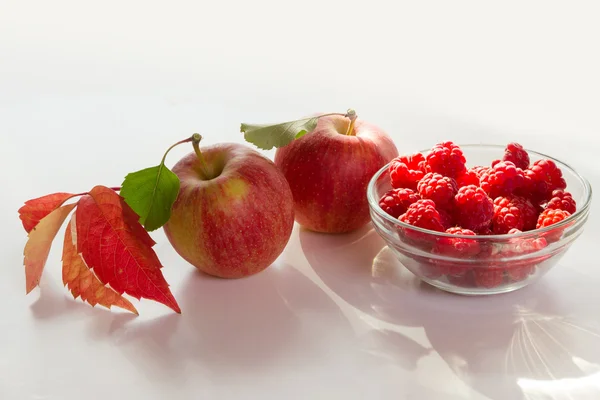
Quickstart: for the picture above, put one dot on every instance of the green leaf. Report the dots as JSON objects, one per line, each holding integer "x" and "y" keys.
{"x": 151, "y": 193}
{"x": 268, "y": 136}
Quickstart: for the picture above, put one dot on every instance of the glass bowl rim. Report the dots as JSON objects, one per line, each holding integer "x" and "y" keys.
{"x": 582, "y": 210}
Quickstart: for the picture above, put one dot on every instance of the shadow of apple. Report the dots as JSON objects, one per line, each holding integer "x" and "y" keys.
{"x": 246, "y": 327}
{"x": 512, "y": 346}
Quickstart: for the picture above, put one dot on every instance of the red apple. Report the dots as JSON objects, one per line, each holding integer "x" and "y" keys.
{"x": 329, "y": 170}
{"x": 235, "y": 220}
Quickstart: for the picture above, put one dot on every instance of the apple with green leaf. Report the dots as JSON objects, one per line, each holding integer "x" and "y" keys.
{"x": 234, "y": 213}
{"x": 231, "y": 215}
{"x": 328, "y": 161}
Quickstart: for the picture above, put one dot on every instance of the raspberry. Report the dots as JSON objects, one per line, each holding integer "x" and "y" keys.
{"x": 464, "y": 278}
{"x": 470, "y": 177}
{"x": 474, "y": 209}
{"x": 488, "y": 277}
{"x": 513, "y": 213}
{"x": 550, "y": 217}
{"x": 457, "y": 246}
{"x": 520, "y": 270}
{"x": 407, "y": 171}
{"x": 438, "y": 188}
{"x": 423, "y": 214}
{"x": 447, "y": 219}
{"x": 447, "y": 159}
{"x": 516, "y": 154}
{"x": 506, "y": 216}
{"x": 485, "y": 231}
{"x": 562, "y": 200}
{"x": 396, "y": 201}
{"x": 529, "y": 212}
{"x": 503, "y": 179}
{"x": 541, "y": 179}
{"x": 479, "y": 170}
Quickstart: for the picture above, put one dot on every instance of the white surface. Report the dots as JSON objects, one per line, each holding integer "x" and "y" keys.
{"x": 92, "y": 90}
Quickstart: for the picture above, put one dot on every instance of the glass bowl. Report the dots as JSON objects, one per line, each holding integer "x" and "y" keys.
{"x": 485, "y": 264}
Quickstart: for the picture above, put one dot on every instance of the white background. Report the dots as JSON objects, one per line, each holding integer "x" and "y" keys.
{"x": 90, "y": 91}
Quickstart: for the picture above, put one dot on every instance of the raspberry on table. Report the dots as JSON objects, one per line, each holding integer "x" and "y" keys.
{"x": 541, "y": 179}
{"x": 440, "y": 189}
{"x": 516, "y": 154}
{"x": 473, "y": 208}
{"x": 503, "y": 179}
{"x": 396, "y": 201}
{"x": 407, "y": 171}
{"x": 550, "y": 217}
{"x": 513, "y": 213}
{"x": 470, "y": 177}
{"x": 423, "y": 214}
{"x": 562, "y": 200}
{"x": 447, "y": 159}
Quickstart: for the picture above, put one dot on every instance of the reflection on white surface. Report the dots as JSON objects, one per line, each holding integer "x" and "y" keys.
{"x": 543, "y": 350}
{"x": 536, "y": 343}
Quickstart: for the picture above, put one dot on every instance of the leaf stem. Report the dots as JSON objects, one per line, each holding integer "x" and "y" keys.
{"x": 187, "y": 140}
{"x": 196, "y": 138}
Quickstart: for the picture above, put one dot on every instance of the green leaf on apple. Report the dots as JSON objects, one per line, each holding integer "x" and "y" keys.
{"x": 279, "y": 135}
{"x": 151, "y": 193}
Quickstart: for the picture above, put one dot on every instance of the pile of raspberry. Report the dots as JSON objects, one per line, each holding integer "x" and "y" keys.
{"x": 438, "y": 191}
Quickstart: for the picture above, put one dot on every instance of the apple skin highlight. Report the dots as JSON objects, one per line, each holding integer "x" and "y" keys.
{"x": 329, "y": 170}
{"x": 235, "y": 219}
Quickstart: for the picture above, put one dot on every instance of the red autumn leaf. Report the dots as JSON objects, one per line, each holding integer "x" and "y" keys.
{"x": 117, "y": 248}
{"x": 81, "y": 281}
{"x": 39, "y": 243}
{"x": 35, "y": 210}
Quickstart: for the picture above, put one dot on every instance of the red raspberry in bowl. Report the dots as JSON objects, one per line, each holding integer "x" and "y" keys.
{"x": 473, "y": 208}
{"x": 447, "y": 159}
{"x": 516, "y": 154}
{"x": 488, "y": 276}
{"x": 396, "y": 201}
{"x": 458, "y": 246}
{"x": 438, "y": 188}
{"x": 520, "y": 270}
{"x": 423, "y": 214}
{"x": 513, "y": 213}
{"x": 503, "y": 179}
{"x": 562, "y": 200}
{"x": 452, "y": 247}
{"x": 541, "y": 179}
{"x": 479, "y": 170}
{"x": 550, "y": 217}
{"x": 407, "y": 171}
{"x": 470, "y": 177}
{"x": 447, "y": 217}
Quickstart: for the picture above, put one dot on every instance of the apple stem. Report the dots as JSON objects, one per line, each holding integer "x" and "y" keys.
{"x": 196, "y": 138}
{"x": 351, "y": 115}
